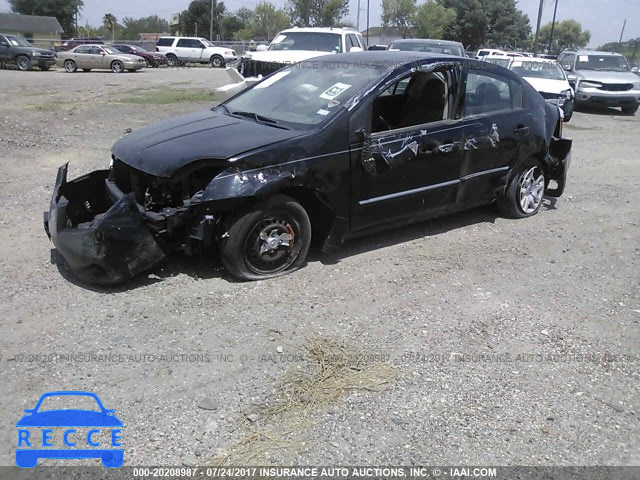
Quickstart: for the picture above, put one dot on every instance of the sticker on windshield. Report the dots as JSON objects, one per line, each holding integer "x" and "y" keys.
{"x": 272, "y": 79}
{"x": 583, "y": 58}
{"x": 517, "y": 64}
{"x": 323, "y": 112}
{"x": 335, "y": 90}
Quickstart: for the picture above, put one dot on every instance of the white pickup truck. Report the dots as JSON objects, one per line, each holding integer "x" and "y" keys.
{"x": 290, "y": 46}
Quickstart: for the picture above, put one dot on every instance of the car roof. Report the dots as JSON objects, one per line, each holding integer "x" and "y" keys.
{"x": 422, "y": 40}
{"x": 593, "y": 52}
{"x": 534, "y": 59}
{"x": 338, "y": 30}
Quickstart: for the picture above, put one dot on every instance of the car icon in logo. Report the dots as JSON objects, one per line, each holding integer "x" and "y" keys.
{"x": 35, "y": 434}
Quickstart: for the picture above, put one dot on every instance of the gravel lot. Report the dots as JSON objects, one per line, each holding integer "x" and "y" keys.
{"x": 434, "y": 312}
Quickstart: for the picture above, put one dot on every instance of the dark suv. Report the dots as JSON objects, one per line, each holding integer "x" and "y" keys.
{"x": 17, "y": 50}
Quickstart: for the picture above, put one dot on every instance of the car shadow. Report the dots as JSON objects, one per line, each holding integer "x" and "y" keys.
{"x": 603, "y": 110}
{"x": 208, "y": 266}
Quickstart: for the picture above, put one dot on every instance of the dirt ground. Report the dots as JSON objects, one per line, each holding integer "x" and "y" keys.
{"x": 471, "y": 339}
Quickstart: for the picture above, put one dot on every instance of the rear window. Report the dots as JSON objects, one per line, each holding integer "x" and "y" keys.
{"x": 164, "y": 42}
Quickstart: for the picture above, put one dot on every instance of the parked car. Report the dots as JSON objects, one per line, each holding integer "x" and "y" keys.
{"x": 72, "y": 43}
{"x": 378, "y": 47}
{"x": 152, "y": 59}
{"x": 427, "y": 45}
{"x": 488, "y": 51}
{"x": 18, "y": 51}
{"x": 325, "y": 153}
{"x": 548, "y": 78}
{"x": 288, "y": 47}
{"x": 502, "y": 60}
{"x": 180, "y": 50}
{"x": 601, "y": 79}
{"x": 103, "y": 57}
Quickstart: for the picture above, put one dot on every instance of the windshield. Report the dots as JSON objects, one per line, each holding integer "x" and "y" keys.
{"x": 18, "y": 41}
{"x": 304, "y": 96}
{"x": 321, "y": 42}
{"x": 207, "y": 43}
{"x": 433, "y": 47}
{"x": 503, "y": 62}
{"x": 550, "y": 70}
{"x": 609, "y": 63}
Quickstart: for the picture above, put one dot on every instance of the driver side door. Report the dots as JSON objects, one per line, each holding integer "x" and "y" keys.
{"x": 409, "y": 165}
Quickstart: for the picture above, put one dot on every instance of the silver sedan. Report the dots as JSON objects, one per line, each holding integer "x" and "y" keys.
{"x": 88, "y": 57}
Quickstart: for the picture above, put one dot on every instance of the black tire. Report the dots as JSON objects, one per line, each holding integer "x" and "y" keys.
{"x": 510, "y": 203}
{"x": 70, "y": 66}
{"x": 146, "y": 63}
{"x": 172, "y": 60}
{"x": 86, "y": 69}
{"x": 217, "y": 61}
{"x": 630, "y": 109}
{"x": 117, "y": 66}
{"x": 241, "y": 249}
{"x": 23, "y": 63}
{"x": 567, "y": 117}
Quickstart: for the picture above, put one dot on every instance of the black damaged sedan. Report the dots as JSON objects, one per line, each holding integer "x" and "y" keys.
{"x": 324, "y": 150}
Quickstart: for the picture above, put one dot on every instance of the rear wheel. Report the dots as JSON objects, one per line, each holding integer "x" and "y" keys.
{"x": 70, "y": 66}
{"x": 523, "y": 195}
{"x": 217, "y": 61}
{"x": 269, "y": 240}
{"x": 146, "y": 63}
{"x": 117, "y": 66}
{"x": 630, "y": 109}
{"x": 172, "y": 60}
{"x": 23, "y": 63}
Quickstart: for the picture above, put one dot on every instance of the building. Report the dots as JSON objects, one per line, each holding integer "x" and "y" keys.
{"x": 40, "y": 31}
{"x": 384, "y": 35}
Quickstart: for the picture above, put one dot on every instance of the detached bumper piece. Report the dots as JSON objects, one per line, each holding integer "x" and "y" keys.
{"x": 102, "y": 241}
{"x": 558, "y": 160}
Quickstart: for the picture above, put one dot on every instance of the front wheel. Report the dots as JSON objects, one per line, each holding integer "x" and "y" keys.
{"x": 269, "y": 240}
{"x": 24, "y": 64}
{"x": 172, "y": 60}
{"x": 630, "y": 109}
{"x": 217, "y": 61}
{"x": 70, "y": 66}
{"x": 117, "y": 66}
{"x": 523, "y": 195}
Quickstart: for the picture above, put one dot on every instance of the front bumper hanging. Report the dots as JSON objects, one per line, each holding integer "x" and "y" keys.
{"x": 101, "y": 241}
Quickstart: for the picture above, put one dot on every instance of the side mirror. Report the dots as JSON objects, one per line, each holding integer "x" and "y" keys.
{"x": 635, "y": 70}
{"x": 366, "y": 158}
{"x": 4, "y": 44}
{"x": 203, "y": 46}
{"x": 261, "y": 48}
{"x": 102, "y": 53}
{"x": 355, "y": 49}
{"x": 567, "y": 67}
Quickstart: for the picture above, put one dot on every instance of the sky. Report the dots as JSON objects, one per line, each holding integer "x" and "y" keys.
{"x": 603, "y": 18}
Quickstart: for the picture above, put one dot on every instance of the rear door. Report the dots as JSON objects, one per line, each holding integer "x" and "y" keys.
{"x": 497, "y": 130}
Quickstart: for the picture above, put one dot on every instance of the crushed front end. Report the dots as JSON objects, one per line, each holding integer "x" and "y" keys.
{"x": 111, "y": 225}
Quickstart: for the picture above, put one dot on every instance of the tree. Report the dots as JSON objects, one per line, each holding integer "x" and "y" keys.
{"x": 566, "y": 34}
{"x": 265, "y": 22}
{"x": 496, "y": 23}
{"x": 431, "y": 20}
{"x": 399, "y": 13}
{"x": 630, "y": 48}
{"x": 317, "y": 13}
{"x": 196, "y": 19}
{"x": 133, "y": 27}
{"x": 64, "y": 10}
{"x": 230, "y": 25}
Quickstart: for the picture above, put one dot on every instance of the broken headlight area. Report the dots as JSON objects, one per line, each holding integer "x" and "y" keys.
{"x": 107, "y": 235}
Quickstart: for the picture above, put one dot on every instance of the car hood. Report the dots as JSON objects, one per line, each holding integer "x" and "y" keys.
{"x": 607, "y": 77}
{"x": 32, "y": 49}
{"x": 163, "y": 148}
{"x": 69, "y": 418}
{"x": 547, "y": 84}
{"x": 126, "y": 56}
{"x": 284, "y": 56}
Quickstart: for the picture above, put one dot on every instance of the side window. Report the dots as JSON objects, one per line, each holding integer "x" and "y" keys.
{"x": 489, "y": 92}
{"x": 414, "y": 100}
{"x": 83, "y": 49}
{"x": 96, "y": 51}
{"x": 3, "y": 40}
{"x": 165, "y": 42}
{"x": 352, "y": 41}
{"x": 184, "y": 43}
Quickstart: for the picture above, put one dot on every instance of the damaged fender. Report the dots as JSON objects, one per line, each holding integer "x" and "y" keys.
{"x": 100, "y": 242}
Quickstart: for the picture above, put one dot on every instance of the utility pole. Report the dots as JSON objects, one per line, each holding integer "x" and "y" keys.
{"x": 358, "y": 17}
{"x": 368, "y": 1}
{"x": 622, "y": 32}
{"x": 211, "y": 24}
{"x": 553, "y": 24}
{"x": 535, "y": 40}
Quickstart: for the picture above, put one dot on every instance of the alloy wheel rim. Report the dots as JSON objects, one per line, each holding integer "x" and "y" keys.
{"x": 531, "y": 189}
{"x": 23, "y": 63}
{"x": 68, "y": 66}
{"x": 271, "y": 245}
{"x": 117, "y": 67}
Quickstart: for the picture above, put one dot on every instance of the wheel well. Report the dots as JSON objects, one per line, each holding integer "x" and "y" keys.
{"x": 317, "y": 207}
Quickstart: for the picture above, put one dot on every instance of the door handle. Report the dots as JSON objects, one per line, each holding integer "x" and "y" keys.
{"x": 521, "y": 130}
{"x": 449, "y": 147}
